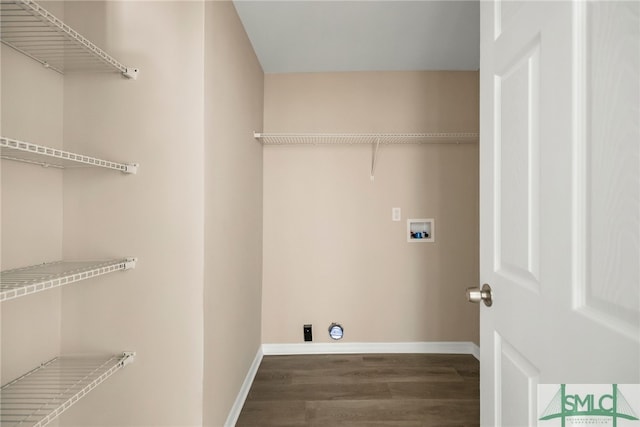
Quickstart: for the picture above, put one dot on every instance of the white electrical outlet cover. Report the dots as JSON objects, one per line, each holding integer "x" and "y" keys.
{"x": 396, "y": 214}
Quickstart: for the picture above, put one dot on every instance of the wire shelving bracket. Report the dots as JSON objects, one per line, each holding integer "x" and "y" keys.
{"x": 42, "y": 394}
{"x": 35, "y": 32}
{"x": 27, "y": 152}
{"x": 374, "y": 157}
{"x": 24, "y": 281}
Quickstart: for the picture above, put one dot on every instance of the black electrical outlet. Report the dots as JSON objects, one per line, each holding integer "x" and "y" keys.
{"x": 308, "y": 336}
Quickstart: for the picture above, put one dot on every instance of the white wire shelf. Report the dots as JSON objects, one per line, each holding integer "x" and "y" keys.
{"x": 375, "y": 139}
{"x": 41, "y": 395}
{"x": 366, "y": 138}
{"x": 24, "y": 281}
{"x": 27, "y": 152}
{"x": 32, "y": 30}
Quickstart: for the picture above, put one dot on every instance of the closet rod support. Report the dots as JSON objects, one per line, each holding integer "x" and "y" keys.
{"x": 374, "y": 158}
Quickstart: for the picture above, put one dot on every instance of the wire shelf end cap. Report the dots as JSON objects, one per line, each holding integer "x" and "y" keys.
{"x": 131, "y": 168}
{"x": 128, "y": 357}
{"x": 131, "y": 73}
{"x": 130, "y": 263}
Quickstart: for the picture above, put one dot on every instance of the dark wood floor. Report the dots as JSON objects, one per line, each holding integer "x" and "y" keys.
{"x": 377, "y": 390}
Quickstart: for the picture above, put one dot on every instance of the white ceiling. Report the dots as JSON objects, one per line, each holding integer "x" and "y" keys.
{"x": 366, "y": 35}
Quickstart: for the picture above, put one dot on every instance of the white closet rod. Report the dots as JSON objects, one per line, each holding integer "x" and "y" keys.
{"x": 269, "y": 138}
{"x": 376, "y": 139}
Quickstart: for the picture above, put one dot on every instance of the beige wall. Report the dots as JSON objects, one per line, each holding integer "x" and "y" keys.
{"x": 188, "y": 121}
{"x": 233, "y": 196}
{"x": 31, "y": 229}
{"x": 210, "y": 215}
{"x": 192, "y": 215}
{"x": 331, "y": 251}
{"x": 156, "y": 215}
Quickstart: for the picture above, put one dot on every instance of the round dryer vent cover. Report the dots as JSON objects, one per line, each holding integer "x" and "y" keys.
{"x": 336, "y": 331}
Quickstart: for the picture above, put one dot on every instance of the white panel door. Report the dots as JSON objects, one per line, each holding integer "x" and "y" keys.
{"x": 560, "y": 200}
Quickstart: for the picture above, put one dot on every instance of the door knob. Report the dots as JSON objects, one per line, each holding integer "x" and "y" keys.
{"x": 476, "y": 295}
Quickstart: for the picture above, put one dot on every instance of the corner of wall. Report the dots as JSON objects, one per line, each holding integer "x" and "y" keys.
{"x": 234, "y": 87}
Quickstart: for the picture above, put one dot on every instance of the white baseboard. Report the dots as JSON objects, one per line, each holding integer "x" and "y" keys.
{"x": 475, "y": 350}
{"x": 232, "y": 418}
{"x": 452, "y": 347}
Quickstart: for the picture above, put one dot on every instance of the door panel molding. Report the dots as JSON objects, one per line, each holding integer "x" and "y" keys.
{"x": 503, "y": 12}
{"x": 553, "y": 80}
{"x": 517, "y": 225}
{"x": 510, "y": 362}
{"x": 606, "y": 187}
